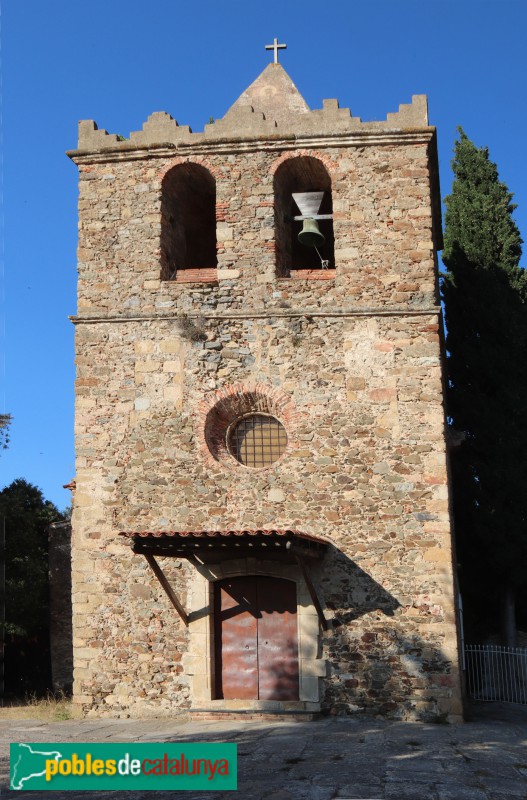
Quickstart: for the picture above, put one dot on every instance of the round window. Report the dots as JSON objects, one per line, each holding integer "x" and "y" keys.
{"x": 256, "y": 440}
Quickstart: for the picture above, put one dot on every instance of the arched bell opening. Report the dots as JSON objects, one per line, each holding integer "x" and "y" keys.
{"x": 303, "y": 175}
{"x": 188, "y": 221}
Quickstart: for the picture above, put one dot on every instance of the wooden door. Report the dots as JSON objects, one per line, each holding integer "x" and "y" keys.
{"x": 236, "y": 639}
{"x": 256, "y": 641}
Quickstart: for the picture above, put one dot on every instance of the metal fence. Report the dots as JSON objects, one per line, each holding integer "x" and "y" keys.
{"x": 496, "y": 673}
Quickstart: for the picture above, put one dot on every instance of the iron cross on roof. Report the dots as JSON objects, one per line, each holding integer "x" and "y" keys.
{"x": 276, "y": 47}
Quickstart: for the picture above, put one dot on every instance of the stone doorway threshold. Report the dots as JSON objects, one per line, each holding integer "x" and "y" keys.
{"x": 257, "y": 710}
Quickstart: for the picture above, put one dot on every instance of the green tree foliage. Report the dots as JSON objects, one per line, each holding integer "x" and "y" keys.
{"x": 26, "y": 515}
{"x": 484, "y": 292}
{"x": 5, "y": 422}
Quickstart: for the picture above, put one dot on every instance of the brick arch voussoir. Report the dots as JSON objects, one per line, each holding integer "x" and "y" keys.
{"x": 329, "y": 163}
{"x": 198, "y": 160}
{"x": 217, "y": 411}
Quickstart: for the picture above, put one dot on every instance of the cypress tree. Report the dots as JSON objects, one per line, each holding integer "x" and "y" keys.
{"x": 485, "y": 293}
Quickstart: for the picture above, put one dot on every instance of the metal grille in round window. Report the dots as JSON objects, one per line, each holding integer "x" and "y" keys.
{"x": 256, "y": 440}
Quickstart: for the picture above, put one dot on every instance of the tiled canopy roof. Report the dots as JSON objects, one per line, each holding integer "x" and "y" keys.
{"x": 225, "y": 534}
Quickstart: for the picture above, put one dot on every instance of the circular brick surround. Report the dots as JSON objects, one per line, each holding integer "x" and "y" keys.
{"x": 219, "y": 411}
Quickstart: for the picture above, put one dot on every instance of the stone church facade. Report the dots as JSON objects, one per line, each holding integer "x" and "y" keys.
{"x": 261, "y": 520}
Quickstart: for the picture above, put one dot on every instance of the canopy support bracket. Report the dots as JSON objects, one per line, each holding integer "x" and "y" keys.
{"x": 312, "y": 591}
{"x": 162, "y": 578}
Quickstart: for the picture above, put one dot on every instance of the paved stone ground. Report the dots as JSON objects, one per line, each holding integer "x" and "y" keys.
{"x": 485, "y": 759}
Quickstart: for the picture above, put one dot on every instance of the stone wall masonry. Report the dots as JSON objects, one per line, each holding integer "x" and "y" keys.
{"x": 384, "y": 249}
{"x": 60, "y": 617}
{"x": 350, "y": 364}
{"x": 387, "y": 372}
{"x": 127, "y": 645}
{"x": 365, "y": 467}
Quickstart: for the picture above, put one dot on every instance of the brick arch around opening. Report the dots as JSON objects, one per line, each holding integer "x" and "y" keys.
{"x": 199, "y": 663}
{"x": 329, "y": 163}
{"x": 198, "y": 160}
{"x": 218, "y": 411}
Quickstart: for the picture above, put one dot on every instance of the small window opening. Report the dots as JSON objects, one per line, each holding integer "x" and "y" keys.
{"x": 299, "y": 175}
{"x": 188, "y": 221}
{"x": 256, "y": 440}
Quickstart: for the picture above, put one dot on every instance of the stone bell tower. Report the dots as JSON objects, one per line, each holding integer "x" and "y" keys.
{"x": 261, "y": 522}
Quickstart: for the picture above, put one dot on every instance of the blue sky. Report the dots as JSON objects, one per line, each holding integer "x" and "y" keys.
{"x": 116, "y": 62}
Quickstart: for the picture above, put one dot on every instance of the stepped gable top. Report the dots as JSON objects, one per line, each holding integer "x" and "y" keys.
{"x": 273, "y": 94}
{"x": 270, "y": 106}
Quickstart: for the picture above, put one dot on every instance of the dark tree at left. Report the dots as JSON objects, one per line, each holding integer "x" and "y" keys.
{"x": 25, "y": 516}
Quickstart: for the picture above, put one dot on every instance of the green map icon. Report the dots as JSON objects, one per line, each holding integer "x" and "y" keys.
{"x": 28, "y": 763}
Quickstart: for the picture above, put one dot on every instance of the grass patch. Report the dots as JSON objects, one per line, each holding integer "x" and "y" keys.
{"x": 191, "y": 329}
{"x": 54, "y": 707}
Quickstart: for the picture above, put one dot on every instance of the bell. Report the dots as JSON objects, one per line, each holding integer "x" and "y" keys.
{"x": 310, "y": 235}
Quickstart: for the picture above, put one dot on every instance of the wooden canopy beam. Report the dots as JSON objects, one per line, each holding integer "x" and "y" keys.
{"x": 162, "y": 578}
{"x": 312, "y": 591}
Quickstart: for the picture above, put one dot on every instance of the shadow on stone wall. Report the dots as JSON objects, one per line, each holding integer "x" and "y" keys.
{"x": 60, "y": 608}
{"x": 378, "y": 660}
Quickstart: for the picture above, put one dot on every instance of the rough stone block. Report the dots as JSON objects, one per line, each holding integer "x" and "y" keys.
{"x": 314, "y": 667}
{"x": 309, "y": 688}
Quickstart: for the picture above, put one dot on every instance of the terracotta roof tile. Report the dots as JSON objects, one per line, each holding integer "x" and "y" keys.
{"x": 215, "y": 534}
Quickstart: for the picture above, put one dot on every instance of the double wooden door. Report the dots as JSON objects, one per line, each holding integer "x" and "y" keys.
{"x": 256, "y": 640}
